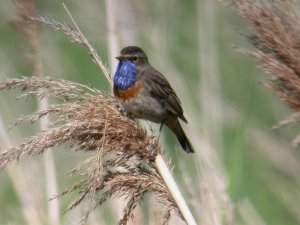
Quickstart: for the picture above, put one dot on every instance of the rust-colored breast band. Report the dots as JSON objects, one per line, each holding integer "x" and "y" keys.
{"x": 129, "y": 93}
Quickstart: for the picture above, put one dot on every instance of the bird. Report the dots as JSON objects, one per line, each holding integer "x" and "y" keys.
{"x": 146, "y": 94}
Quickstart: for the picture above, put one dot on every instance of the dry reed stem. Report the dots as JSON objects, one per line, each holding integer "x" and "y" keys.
{"x": 112, "y": 26}
{"x": 208, "y": 184}
{"x": 86, "y": 119}
{"x": 275, "y": 35}
{"x": 77, "y": 37}
{"x": 25, "y": 9}
{"x": 216, "y": 206}
{"x": 113, "y": 50}
{"x": 21, "y": 185}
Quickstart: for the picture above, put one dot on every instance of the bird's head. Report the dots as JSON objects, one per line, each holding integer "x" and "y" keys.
{"x": 133, "y": 54}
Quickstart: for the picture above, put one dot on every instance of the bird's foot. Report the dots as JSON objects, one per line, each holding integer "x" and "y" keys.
{"x": 124, "y": 112}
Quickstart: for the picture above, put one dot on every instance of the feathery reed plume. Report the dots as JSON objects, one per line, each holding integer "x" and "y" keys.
{"x": 87, "y": 119}
{"x": 275, "y": 34}
{"x": 159, "y": 162}
{"x": 127, "y": 163}
{"x": 75, "y": 36}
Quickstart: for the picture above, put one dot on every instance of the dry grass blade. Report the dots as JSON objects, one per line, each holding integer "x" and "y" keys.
{"x": 75, "y": 36}
{"x": 85, "y": 119}
{"x": 166, "y": 217}
{"x": 66, "y": 28}
{"x": 132, "y": 203}
{"x": 25, "y": 9}
{"x": 275, "y": 34}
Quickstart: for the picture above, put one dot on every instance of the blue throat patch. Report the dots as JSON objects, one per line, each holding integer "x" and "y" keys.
{"x": 125, "y": 75}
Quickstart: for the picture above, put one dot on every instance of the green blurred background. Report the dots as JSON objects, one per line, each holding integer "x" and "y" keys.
{"x": 192, "y": 44}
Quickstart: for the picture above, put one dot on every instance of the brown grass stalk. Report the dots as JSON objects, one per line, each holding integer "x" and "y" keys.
{"x": 113, "y": 49}
{"x": 25, "y": 9}
{"x": 275, "y": 28}
{"x": 208, "y": 184}
{"x": 81, "y": 122}
{"x": 22, "y": 187}
{"x": 86, "y": 119}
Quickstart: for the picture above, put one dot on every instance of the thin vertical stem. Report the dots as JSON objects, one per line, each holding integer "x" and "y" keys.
{"x": 112, "y": 36}
{"x": 49, "y": 165}
{"x": 210, "y": 84}
{"x": 113, "y": 49}
{"x": 217, "y": 208}
{"x": 160, "y": 163}
{"x": 27, "y": 8}
{"x": 175, "y": 192}
{"x": 16, "y": 175}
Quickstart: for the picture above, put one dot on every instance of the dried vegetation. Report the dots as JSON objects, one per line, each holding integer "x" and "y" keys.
{"x": 275, "y": 36}
{"x": 86, "y": 119}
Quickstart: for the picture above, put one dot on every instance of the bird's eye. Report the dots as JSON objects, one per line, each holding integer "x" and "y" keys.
{"x": 134, "y": 58}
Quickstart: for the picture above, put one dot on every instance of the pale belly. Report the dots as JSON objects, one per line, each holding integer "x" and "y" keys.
{"x": 146, "y": 107}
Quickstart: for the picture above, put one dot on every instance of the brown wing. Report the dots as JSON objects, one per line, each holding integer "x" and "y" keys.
{"x": 161, "y": 88}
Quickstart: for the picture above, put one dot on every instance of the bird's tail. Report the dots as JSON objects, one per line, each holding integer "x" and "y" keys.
{"x": 175, "y": 126}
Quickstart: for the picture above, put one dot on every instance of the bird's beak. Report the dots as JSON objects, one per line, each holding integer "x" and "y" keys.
{"x": 122, "y": 57}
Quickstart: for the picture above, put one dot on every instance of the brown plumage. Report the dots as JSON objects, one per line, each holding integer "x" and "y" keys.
{"x": 156, "y": 101}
